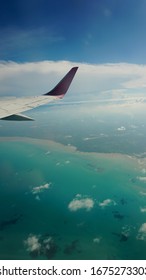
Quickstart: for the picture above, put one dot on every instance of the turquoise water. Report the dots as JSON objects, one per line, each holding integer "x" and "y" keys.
{"x": 59, "y": 203}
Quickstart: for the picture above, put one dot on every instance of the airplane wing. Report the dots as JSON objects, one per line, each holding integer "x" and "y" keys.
{"x": 10, "y": 108}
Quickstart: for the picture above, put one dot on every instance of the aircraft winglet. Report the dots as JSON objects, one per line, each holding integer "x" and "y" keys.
{"x": 10, "y": 110}
{"x": 61, "y": 88}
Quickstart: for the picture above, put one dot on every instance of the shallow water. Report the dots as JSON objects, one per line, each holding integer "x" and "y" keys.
{"x": 59, "y": 203}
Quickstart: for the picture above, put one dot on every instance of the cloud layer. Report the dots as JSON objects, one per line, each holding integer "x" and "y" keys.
{"x": 105, "y": 81}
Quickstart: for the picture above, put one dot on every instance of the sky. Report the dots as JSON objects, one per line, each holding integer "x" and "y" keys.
{"x": 42, "y": 39}
{"x": 97, "y": 31}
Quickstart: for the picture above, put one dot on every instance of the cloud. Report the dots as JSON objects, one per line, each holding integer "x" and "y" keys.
{"x": 37, "y": 197}
{"x": 81, "y": 203}
{"x": 38, "y": 245}
{"x": 126, "y": 230}
{"x": 143, "y": 193}
{"x": 143, "y": 179}
{"x": 143, "y": 209}
{"x": 107, "y": 202}
{"x": 122, "y": 128}
{"x": 142, "y": 232}
{"x": 143, "y": 228}
{"x": 97, "y": 239}
{"x": 41, "y": 188}
{"x": 119, "y": 81}
{"x": 15, "y": 76}
{"x": 32, "y": 243}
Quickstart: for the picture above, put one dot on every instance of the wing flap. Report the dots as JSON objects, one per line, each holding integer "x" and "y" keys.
{"x": 17, "y": 117}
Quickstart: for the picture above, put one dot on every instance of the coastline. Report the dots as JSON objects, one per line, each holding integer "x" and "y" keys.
{"x": 49, "y": 144}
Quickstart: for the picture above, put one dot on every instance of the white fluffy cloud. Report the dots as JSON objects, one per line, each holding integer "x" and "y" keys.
{"x": 143, "y": 228}
{"x": 32, "y": 243}
{"x": 81, "y": 203}
{"x": 142, "y": 232}
{"x": 40, "y": 245}
{"x": 41, "y": 188}
{"x": 106, "y": 202}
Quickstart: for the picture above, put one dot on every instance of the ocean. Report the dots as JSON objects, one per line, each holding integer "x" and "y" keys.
{"x": 60, "y": 202}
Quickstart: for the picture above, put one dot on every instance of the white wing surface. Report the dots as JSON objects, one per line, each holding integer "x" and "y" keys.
{"x": 11, "y": 108}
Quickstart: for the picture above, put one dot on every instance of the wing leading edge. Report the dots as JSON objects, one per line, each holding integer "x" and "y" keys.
{"x": 10, "y": 109}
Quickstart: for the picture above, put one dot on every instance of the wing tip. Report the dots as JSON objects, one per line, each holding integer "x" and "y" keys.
{"x": 62, "y": 87}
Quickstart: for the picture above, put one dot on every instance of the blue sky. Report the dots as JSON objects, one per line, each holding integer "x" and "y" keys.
{"x": 90, "y": 31}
